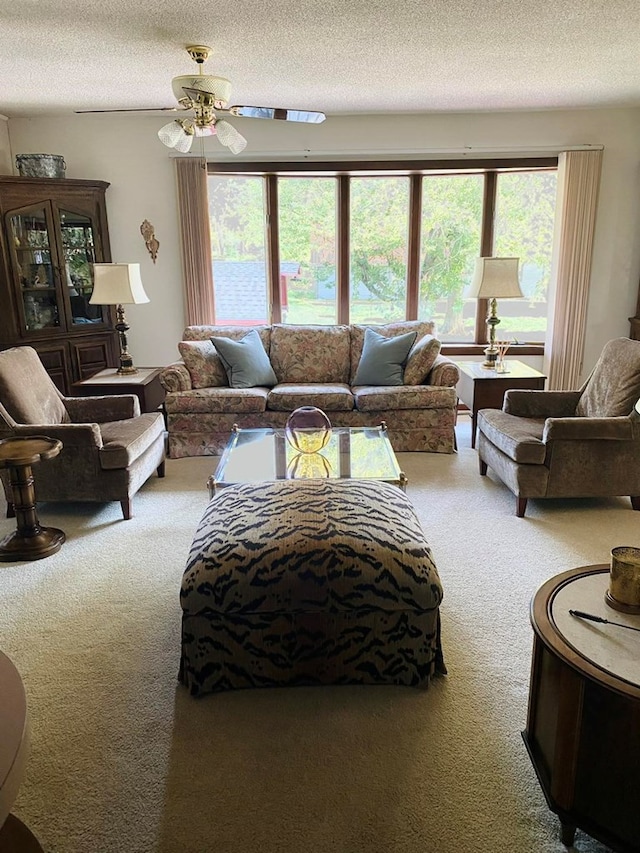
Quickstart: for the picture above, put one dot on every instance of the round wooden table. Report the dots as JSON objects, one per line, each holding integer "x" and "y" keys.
{"x": 583, "y": 720}
{"x": 30, "y": 541}
{"x": 15, "y": 837}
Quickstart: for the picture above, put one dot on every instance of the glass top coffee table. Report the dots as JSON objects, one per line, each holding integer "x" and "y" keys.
{"x": 259, "y": 455}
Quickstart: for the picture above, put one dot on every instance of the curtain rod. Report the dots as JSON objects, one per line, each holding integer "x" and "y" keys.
{"x": 517, "y": 151}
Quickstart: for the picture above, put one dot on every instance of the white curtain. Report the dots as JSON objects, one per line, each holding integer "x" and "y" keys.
{"x": 578, "y": 183}
{"x": 193, "y": 209}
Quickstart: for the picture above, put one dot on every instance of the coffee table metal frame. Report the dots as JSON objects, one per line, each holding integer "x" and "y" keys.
{"x": 358, "y": 453}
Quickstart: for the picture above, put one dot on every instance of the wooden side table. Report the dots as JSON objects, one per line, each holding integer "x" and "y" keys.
{"x": 583, "y": 720}
{"x": 29, "y": 541}
{"x": 145, "y": 384}
{"x": 15, "y": 837}
{"x": 483, "y": 388}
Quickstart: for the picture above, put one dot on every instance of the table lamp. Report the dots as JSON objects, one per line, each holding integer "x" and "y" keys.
{"x": 494, "y": 278}
{"x": 119, "y": 284}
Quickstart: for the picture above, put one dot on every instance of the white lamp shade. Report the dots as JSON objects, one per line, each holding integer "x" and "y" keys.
{"x": 495, "y": 277}
{"x": 117, "y": 284}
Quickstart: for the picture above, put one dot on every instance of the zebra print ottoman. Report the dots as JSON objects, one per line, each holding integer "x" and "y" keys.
{"x": 309, "y": 582}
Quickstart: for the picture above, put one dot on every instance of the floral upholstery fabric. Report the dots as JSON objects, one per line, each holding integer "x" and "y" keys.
{"x": 203, "y": 363}
{"x": 422, "y": 357}
{"x": 373, "y": 398}
{"x": 444, "y": 373}
{"x": 216, "y": 400}
{"x": 310, "y": 354}
{"x": 330, "y": 398}
{"x": 419, "y": 417}
{"x": 205, "y": 333}
{"x": 309, "y": 582}
{"x": 176, "y": 377}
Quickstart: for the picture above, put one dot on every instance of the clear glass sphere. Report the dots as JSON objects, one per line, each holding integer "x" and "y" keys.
{"x": 308, "y": 429}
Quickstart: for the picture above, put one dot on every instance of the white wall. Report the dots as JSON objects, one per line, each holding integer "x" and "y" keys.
{"x": 5, "y": 147}
{"x": 125, "y": 151}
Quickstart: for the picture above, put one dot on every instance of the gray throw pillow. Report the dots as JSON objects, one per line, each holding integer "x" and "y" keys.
{"x": 246, "y": 362}
{"x": 382, "y": 360}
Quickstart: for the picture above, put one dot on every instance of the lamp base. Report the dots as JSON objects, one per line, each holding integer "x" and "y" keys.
{"x": 490, "y": 357}
{"x": 126, "y": 370}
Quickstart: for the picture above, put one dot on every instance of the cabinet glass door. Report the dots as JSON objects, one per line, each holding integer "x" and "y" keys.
{"x": 79, "y": 254}
{"x": 35, "y": 264}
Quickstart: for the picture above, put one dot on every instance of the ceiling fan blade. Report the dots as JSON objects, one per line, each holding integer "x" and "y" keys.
{"x": 277, "y": 113}
{"x": 229, "y": 136}
{"x": 134, "y": 110}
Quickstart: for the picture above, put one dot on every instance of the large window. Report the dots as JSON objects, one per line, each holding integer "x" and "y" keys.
{"x": 350, "y": 243}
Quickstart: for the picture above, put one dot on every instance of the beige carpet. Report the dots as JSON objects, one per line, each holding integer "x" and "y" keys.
{"x": 124, "y": 760}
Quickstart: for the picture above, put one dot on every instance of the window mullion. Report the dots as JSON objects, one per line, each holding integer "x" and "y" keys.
{"x": 413, "y": 252}
{"x": 273, "y": 248}
{"x": 486, "y": 248}
{"x": 343, "y": 247}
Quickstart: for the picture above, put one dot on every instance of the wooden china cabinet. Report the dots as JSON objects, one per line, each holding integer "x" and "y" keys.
{"x": 52, "y": 231}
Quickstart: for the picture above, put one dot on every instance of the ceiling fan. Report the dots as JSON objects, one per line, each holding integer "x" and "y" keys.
{"x": 206, "y": 97}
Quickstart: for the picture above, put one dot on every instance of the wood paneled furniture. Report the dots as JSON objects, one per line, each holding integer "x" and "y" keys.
{"x": 145, "y": 384}
{"x": 483, "y": 388}
{"x": 30, "y": 541}
{"x": 583, "y": 721}
{"x": 52, "y": 231}
{"x": 15, "y": 837}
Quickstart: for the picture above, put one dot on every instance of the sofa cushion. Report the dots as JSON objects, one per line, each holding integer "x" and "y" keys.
{"x": 381, "y": 398}
{"x": 383, "y": 358}
{"x": 203, "y": 363}
{"x": 311, "y": 354}
{"x": 421, "y": 359}
{"x": 518, "y": 438}
{"x": 217, "y": 401}
{"x": 331, "y": 398}
{"x": 124, "y": 441}
{"x": 205, "y": 333}
{"x": 245, "y": 361}
{"x": 389, "y": 330}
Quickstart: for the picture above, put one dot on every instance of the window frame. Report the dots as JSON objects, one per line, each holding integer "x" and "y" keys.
{"x": 415, "y": 170}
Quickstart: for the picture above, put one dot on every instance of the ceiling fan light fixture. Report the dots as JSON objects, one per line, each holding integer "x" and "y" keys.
{"x": 170, "y": 133}
{"x": 218, "y": 87}
{"x": 177, "y": 134}
{"x": 229, "y": 136}
{"x": 207, "y": 130}
{"x": 183, "y": 145}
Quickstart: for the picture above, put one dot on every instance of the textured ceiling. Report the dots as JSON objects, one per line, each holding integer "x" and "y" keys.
{"x": 340, "y": 56}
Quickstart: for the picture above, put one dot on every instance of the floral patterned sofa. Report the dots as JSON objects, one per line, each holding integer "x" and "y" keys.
{"x": 314, "y": 366}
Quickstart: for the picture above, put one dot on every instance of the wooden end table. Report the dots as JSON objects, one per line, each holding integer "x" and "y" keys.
{"x": 15, "y": 837}
{"x": 484, "y": 388}
{"x": 583, "y": 720}
{"x": 145, "y": 384}
{"x": 29, "y": 541}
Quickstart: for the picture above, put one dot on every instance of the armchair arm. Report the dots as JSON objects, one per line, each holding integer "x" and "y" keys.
{"x": 176, "y": 377}
{"x": 112, "y": 407}
{"x": 444, "y": 373}
{"x": 541, "y": 404}
{"x": 71, "y": 435}
{"x": 616, "y": 429}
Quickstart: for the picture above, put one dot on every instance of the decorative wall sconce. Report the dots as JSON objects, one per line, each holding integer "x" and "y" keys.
{"x": 147, "y": 231}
